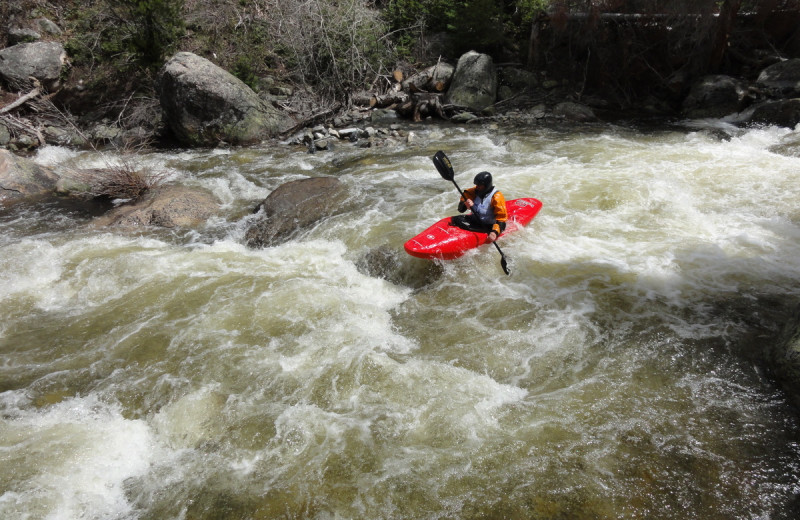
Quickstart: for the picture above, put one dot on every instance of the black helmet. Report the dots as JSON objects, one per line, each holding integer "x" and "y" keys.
{"x": 483, "y": 179}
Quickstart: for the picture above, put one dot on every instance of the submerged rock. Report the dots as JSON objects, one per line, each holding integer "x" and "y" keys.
{"x": 784, "y": 359}
{"x": 294, "y": 207}
{"x": 394, "y": 265}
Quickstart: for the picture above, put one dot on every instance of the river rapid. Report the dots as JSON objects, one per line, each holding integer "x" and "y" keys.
{"x": 154, "y": 374}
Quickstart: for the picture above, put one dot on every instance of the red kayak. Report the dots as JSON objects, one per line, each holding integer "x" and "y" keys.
{"x": 446, "y": 241}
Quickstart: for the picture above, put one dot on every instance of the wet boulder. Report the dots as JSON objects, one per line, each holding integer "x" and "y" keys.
{"x": 781, "y": 79}
{"x": 715, "y": 96}
{"x": 203, "y": 104}
{"x": 43, "y": 61}
{"x": 21, "y": 178}
{"x": 474, "y": 83}
{"x": 784, "y": 358}
{"x": 781, "y": 112}
{"x": 169, "y": 205}
{"x": 294, "y": 207}
{"x": 570, "y": 111}
{"x": 395, "y": 266}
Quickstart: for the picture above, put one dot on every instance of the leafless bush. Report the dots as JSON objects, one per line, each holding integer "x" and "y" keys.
{"x": 122, "y": 180}
{"x": 336, "y": 45}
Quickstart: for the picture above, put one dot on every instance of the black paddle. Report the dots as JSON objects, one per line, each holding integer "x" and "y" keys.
{"x": 442, "y": 164}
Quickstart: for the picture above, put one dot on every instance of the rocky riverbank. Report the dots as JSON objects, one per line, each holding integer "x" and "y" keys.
{"x": 200, "y": 104}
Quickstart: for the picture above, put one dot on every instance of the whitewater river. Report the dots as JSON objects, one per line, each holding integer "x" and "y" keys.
{"x": 158, "y": 374}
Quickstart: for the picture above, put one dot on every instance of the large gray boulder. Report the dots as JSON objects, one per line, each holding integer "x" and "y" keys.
{"x": 781, "y": 79}
{"x": 474, "y": 83}
{"x": 715, "y": 96}
{"x": 22, "y": 178}
{"x": 43, "y": 61}
{"x": 203, "y": 104}
{"x": 294, "y": 207}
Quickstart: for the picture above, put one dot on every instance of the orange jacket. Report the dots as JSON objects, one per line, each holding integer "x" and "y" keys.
{"x": 498, "y": 206}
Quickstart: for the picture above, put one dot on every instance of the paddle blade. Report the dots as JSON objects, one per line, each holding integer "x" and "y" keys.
{"x": 443, "y": 165}
{"x": 503, "y": 262}
{"x": 504, "y": 265}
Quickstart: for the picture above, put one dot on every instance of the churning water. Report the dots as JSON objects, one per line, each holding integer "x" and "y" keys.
{"x": 157, "y": 374}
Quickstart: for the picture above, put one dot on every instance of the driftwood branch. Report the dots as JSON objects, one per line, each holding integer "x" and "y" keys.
{"x": 22, "y": 126}
{"x": 21, "y": 101}
{"x": 366, "y": 99}
{"x": 313, "y": 119}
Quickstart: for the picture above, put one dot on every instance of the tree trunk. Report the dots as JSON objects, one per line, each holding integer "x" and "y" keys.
{"x": 719, "y": 44}
{"x": 533, "y": 44}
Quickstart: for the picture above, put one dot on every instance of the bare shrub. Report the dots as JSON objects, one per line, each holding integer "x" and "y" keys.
{"x": 336, "y": 45}
{"x": 122, "y": 180}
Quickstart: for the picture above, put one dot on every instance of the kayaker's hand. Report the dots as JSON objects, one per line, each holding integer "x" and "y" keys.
{"x": 468, "y": 203}
{"x": 492, "y": 237}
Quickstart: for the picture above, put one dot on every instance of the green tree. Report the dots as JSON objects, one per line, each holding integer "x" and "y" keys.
{"x": 410, "y": 20}
{"x": 478, "y": 25}
{"x": 531, "y": 10}
{"x": 482, "y": 25}
{"x": 150, "y": 28}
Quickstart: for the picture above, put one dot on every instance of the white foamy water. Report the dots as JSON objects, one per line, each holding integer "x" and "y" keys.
{"x": 614, "y": 374}
{"x": 70, "y": 460}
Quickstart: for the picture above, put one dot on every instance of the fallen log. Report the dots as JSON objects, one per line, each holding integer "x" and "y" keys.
{"x": 422, "y": 105}
{"x": 366, "y": 99}
{"x": 313, "y": 119}
{"x": 433, "y": 79}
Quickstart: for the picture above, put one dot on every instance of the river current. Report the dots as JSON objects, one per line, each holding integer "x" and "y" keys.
{"x": 159, "y": 374}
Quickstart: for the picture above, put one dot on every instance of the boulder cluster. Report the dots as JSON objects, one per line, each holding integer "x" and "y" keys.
{"x": 773, "y": 98}
{"x": 201, "y": 104}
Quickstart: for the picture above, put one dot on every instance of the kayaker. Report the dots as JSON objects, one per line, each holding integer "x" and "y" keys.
{"x": 488, "y": 207}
